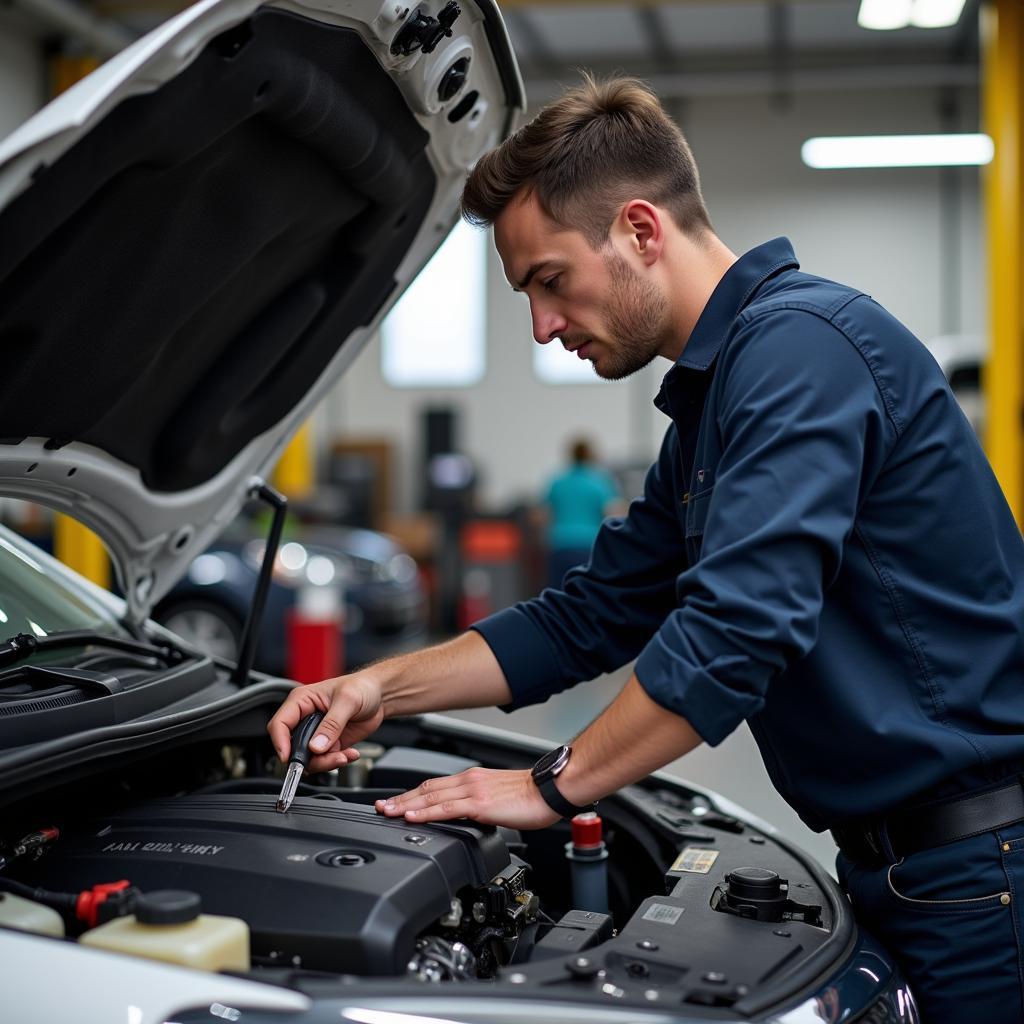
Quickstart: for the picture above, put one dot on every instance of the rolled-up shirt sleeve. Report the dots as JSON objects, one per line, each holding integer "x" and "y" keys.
{"x": 804, "y": 432}
{"x": 608, "y": 610}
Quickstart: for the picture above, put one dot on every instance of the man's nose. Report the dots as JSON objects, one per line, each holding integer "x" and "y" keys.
{"x": 548, "y": 325}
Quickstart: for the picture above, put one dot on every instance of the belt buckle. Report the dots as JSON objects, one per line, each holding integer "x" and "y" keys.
{"x": 861, "y": 843}
{"x": 872, "y": 836}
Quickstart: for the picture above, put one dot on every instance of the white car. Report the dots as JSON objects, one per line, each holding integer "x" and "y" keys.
{"x": 195, "y": 241}
{"x": 962, "y": 357}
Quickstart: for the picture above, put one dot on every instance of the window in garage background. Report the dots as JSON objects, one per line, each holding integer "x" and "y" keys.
{"x": 435, "y": 335}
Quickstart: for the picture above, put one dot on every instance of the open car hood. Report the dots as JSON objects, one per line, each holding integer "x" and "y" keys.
{"x": 198, "y": 239}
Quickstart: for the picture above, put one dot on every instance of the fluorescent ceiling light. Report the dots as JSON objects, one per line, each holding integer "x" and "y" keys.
{"x": 936, "y": 13}
{"x": 884, "y": 14}
{"x": 892, "y": 14}
{"x": 897, "y": 151}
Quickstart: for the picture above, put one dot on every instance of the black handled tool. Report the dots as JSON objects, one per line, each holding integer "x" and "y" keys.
{"x": 300, "y": 755}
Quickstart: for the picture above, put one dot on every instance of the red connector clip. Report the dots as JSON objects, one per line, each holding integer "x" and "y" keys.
{"x": 36, "y": 840}
{"x": 87, "y": 908}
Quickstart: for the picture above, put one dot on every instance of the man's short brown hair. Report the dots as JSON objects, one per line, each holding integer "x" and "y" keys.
{"x": 599, "y": 145}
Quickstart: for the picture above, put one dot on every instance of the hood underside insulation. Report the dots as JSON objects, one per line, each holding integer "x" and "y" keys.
{"x": 175, "y": 283}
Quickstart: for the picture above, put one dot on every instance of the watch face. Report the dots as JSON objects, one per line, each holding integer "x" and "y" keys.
{"x": 552, "y": 762}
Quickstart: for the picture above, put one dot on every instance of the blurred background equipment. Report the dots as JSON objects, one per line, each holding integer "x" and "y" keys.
{"x": 450, "y": 481}
{"x": 373, "y": 586}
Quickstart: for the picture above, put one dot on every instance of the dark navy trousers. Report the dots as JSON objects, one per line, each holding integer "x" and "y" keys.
{"x": 953, "y": 918}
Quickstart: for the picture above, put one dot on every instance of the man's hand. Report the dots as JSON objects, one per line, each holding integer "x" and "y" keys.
{"x": 460, "y": 673}
{"x": 352, "y": 710}
{"x": 601, "y": 763}
{"x": 487, "y": 795}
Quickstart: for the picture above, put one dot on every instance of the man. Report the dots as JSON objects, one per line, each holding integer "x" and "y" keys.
{"x": 821, "y": 550}
{"x": 577, "y": 501}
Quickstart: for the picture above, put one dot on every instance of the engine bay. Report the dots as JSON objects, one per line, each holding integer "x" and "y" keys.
{"x": 329, "y": 886}
{"x": 690, "y": 906}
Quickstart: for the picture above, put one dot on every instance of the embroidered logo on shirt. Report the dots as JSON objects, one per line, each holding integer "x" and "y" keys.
{"x": 700, "y": 476}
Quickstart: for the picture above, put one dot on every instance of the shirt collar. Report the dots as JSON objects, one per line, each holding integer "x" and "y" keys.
{"x": 732, "y": 293}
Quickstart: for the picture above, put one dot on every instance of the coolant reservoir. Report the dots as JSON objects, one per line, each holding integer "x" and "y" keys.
{"x": 167, "y": 925}
{"x": 28, "y": 916}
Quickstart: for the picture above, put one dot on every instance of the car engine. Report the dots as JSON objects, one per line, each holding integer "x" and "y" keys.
{"x": 329, "y": 886}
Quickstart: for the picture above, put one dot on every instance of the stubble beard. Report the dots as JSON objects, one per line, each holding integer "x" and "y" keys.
{"x": 636, "y": 318}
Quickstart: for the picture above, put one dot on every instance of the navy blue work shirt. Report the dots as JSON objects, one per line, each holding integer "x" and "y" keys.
{"x": 821, "y": 550}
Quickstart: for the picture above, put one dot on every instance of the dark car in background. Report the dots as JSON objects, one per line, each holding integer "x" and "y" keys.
{"x": 381, "y": 600}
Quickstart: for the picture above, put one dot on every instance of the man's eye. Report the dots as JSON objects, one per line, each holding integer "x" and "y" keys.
{"x": 551, "y": 283}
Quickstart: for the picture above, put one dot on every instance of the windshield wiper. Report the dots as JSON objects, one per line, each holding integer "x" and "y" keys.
{"x": 24, "y": 645}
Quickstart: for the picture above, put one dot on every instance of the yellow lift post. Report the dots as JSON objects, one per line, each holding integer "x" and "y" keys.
{"x": 294, "y": 473}
{"x": 80, "y": 549}
{"x": 65, "y": 70}
{"x": 1003, "y": 84}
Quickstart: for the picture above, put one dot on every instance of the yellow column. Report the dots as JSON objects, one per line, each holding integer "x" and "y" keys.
{"x": 78, "y": 547}
{"x": 1003, "y": 109}
{"x": 293, "y": 475}
{"x": 66, "y": 70}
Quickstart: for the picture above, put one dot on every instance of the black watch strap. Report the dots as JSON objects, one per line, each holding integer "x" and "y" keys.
{"x": 557, "y": 802}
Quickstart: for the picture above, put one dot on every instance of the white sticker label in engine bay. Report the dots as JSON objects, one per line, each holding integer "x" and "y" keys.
{"x": 663, "y": 913}
{"x": 196, "y": 849}
{"x": 694, "y": 859}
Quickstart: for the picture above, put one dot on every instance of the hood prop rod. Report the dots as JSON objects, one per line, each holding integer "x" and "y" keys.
{"x": 279, "y": 503}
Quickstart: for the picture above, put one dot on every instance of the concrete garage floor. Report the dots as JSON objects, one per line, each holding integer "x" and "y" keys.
{"x": 734, "y": 768}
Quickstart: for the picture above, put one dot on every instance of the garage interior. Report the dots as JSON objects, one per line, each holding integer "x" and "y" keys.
{"x": 451, "y": 458}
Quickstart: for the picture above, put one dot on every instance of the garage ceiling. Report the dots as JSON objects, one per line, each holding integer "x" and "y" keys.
{"x": 722, "y": 47}
{"x": 685, "y": 48}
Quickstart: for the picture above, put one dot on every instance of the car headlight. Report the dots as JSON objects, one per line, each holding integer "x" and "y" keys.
{"x": 402, "y": 568}
{"x": 290, "y": 565}
{"x": 320, "y": 571}
{"x": 207, "y": 569}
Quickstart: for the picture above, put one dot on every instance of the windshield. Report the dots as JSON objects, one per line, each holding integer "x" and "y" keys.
{"x": 40, "y": 597}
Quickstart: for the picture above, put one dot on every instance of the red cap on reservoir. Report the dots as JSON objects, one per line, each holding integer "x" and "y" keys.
{"x": 586, "y": 831}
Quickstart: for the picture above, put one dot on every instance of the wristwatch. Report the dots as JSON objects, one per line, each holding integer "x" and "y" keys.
{"x": 544, "y": 773}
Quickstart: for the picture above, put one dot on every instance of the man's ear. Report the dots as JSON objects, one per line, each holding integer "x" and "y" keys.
{"x": 643, "y": 228}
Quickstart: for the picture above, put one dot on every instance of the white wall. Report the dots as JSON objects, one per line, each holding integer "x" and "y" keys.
{"x": 22, "y": 73}
{"x": 514, "y": 426}
{"x": 876, "y": 230}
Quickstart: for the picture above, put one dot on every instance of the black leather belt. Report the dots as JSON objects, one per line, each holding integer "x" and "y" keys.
{"x": 933, "y": 824}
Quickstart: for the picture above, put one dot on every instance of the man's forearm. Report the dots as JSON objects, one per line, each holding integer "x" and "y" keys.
{"x": 631, "y": 738}
{"x": 460, "y": 673}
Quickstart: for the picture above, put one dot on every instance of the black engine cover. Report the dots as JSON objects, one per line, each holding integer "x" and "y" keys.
{"x": 331, "y": 883}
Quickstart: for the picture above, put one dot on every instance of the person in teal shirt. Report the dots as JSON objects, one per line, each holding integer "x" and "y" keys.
{"x": 577, "y": 502}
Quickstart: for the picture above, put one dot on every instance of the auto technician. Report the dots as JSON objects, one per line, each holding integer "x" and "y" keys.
{"x": 821, "y": 550}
